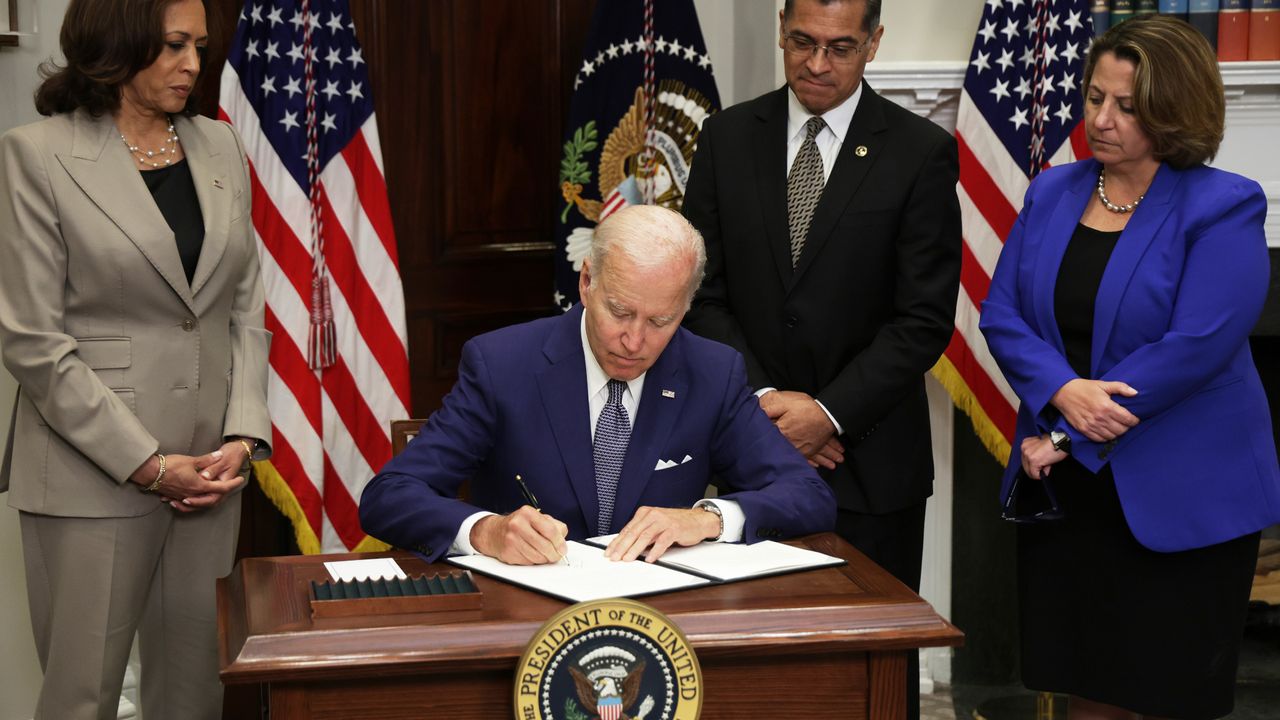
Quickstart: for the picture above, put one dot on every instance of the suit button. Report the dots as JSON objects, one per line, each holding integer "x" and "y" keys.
{"x": 792, "y": 321}
{"x": 188, "y": 325}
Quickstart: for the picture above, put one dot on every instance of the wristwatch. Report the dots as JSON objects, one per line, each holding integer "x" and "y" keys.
{"x": 1061, "y": 441}
{"x": 714, "y": 510}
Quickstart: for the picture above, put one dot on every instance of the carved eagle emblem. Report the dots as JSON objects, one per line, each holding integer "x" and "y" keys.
{"x": 611, "y": 691}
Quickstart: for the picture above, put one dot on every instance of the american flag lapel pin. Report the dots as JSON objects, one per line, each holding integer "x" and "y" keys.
{"x": 668, "y": 393}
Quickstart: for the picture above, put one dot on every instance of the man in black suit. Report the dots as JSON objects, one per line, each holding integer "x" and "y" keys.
{"x": 833, "y": 262}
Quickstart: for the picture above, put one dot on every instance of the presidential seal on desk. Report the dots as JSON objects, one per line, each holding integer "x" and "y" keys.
{"x": 608, "y": 660}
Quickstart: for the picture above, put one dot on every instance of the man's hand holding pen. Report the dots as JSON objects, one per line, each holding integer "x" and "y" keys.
{"x": 524, "y": 537}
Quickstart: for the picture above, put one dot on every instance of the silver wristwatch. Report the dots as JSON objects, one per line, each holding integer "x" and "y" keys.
{"x": 1061, "y": 441}
{"x": 715, "y": 510}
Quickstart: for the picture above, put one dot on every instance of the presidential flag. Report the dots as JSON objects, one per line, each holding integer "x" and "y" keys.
{"x": 1020, "y": 112}
{"x": 296, "y": 88}
{"x": 640, "y": 97}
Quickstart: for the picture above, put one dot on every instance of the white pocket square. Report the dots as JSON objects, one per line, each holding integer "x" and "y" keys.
{"x": 666, "y": 464}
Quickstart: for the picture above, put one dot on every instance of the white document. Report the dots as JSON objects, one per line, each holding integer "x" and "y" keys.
{"x": 371, "y": 569}
{"x": 585, "y": 575}
{"x": 726, "y": 562}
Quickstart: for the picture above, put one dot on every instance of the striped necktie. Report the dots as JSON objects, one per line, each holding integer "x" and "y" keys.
{"x": 804, "y": 187}
{"x": 613, "y": 432}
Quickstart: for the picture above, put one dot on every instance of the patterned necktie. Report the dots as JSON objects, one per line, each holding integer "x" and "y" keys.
{"x": 804, "y": 186}
{"x": 613, "y": 432}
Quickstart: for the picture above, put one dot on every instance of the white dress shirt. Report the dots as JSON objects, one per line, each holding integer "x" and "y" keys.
{"x": 832, "y": 136}
{"x": 829, "y": 142}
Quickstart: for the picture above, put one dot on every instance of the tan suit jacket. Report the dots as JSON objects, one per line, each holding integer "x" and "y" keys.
{"x": 116, "y": 355}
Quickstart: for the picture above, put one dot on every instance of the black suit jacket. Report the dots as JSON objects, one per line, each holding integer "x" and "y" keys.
{"x": 870, "y": 305}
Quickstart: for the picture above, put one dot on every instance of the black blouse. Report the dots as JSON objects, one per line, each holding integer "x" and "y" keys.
{"x": 175, "y": 194}
{"x": 1076, "y": 290}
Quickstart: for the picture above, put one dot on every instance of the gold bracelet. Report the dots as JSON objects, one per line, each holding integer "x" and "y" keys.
{"x": 248, "y": 451}
{"x": 159, "y": 476}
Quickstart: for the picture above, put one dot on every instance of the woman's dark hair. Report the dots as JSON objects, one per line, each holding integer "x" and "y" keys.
{"x": 105, "y": 43}
{"x": 1177, "y": 88}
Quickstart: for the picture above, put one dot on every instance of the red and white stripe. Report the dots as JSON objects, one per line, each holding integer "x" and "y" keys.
{"x": 612, "y": 204}
{"x": 330, "y": 426}
{"x": 991, "y": 190}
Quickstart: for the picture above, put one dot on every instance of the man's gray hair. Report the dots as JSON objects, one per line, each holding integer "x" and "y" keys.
{"x": 650, "y": 236}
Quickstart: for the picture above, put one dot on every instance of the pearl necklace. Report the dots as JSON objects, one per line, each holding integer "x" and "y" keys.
{"x": 164, "y": 156}
{"x": 1106, "y": 203}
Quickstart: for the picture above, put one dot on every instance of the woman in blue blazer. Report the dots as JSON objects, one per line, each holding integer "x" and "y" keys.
{"x": 1144, "y": 463}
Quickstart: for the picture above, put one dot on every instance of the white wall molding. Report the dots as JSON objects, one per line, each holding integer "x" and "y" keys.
{"x": 929, "y": 89}
{"x": 1251, "y": 147}
{"x": 935, "y": 569}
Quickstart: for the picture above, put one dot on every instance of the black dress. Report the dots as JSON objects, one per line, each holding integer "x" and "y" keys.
{"x": 1102, "y": 617}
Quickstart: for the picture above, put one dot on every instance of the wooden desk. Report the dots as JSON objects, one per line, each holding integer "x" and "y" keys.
{"x": 829, "y": 643}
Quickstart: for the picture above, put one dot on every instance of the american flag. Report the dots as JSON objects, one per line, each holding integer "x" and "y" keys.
{"x": 296, "y": 87}
{"x": 1020, "y": 112}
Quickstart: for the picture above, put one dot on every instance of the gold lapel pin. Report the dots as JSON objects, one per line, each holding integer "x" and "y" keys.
{"x": 217, "y": 182}
{"x": 860, "y": 151}
{"x": 668, "y": 393}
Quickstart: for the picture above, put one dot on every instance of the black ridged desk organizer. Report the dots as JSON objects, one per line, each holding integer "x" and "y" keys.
{"x": 440, "y": 592}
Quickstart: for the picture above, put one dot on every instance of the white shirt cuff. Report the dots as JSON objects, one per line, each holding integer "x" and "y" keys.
{"x": 734, "y": 519}
{"x": 763, "y": 390}
{"x": 462, "y": 544}
{"x": 832, "y": 418}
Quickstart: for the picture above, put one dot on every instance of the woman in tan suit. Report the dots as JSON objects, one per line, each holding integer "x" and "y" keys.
{"x": 131, "y": 315}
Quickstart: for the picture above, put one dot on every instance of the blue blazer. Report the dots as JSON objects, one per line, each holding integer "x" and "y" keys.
{"x": 1177, "y": 301}
{"x": 520, "y": 407}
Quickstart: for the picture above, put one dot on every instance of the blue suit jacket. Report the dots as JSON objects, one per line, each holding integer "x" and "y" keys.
{"x": 1181, "y": 292}
{"x": 520, "y": 407}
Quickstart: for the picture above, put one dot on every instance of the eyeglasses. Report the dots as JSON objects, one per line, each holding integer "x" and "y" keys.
{"x": 1049, "y": 514}
{"x": 839, "y": 53}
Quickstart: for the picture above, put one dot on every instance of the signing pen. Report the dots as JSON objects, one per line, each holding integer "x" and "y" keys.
{"x": 528, "y": 494}
{"x": 533, "y": 503}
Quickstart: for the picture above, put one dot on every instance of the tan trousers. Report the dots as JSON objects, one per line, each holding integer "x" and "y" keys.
{"x": 93, "y": 582}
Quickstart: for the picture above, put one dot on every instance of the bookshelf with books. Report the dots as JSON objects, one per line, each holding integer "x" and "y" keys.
{"x": 1264, "y": 30}
{"x": 1122, "y": 10}
{"x": 1233, "y": 30}
{"x": 1238, "y": 30}
{"x": 1100, "y": 11}
{"x": 1203, "y": 15}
